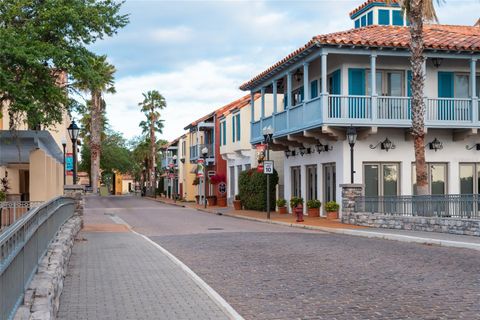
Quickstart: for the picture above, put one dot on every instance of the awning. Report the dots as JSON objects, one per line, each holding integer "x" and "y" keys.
{"x": 15, "y": 146}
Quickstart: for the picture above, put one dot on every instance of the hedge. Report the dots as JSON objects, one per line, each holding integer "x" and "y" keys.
{"x": 253, "y": 185}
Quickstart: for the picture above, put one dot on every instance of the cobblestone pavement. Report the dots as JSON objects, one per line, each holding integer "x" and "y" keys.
{"x": 119, "y": 275}
{"x": 273, "y": 272}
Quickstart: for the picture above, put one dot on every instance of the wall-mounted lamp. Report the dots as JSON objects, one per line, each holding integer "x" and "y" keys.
{"x": 437, "y": 62}
{"x": 384, "y": 145}
{"x": 435, "y": 145}
{"x": 476, "y": 146}
{"x": 288, "y": 153}
{"x": 323, "y": 147}
{"x": 302, "y": 150}
{"x": 298, "y": 75}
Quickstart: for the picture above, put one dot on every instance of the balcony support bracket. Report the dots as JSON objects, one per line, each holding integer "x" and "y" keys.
{"x": 299, "y": 137}
{"x": 364, "y": 134}
{"x": 459, "y": 135}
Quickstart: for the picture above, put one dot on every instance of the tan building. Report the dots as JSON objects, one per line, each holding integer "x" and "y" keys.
{"x": 32, "y": 160}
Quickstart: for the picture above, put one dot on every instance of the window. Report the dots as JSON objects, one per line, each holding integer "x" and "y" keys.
{"x": 314, "y": 89}
{"x": 311, "y": 182}
{"x": 370, "y": 18}
{"x": 224, "y": 132}
{"x": 381, "y": 179}
{"x": 384, "y": 17}
{"x": 469, "y": 178}
{"x": 389, "y": 83}
{"x": 222, "y": 143}
{"x": 357, "y": 23}
{"x": 437, "y": 178}
{"x": 364, "y": 21}
{"x": 296, "y": 181}
{"x": 298, "y": 96}
{"x": 461, "y": 86}
{"x": 236, "y": 131}
{"x": 397, "y": 18}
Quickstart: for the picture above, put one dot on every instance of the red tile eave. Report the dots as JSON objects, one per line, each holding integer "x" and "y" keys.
{"x": 437, "y": 37}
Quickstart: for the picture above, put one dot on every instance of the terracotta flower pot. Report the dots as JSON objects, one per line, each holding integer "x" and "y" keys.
{"x": 282, "y": 210}
{"x": 313, "y": 212}
{"x": 237, "y": 204}
{"x": 332, "y": 215}
{"x": 222, "y": 202}
{"x": 197, "y": 199}
{"x": 211, "y": 201}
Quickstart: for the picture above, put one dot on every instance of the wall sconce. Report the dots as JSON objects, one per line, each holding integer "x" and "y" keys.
{"x": 437, "y": 62}
{"x": 435, "y": 145}
{"x": 182, "y": 160}
{"x": 476, "y": 146}
{"x": 298, "y": 75}
{"x": 384, "y": 145}
{"x": 323, "y": 147}
{"x": 302, "y": 151}
{"x": 288, "y": 153}
{"x": 309, "y": 150}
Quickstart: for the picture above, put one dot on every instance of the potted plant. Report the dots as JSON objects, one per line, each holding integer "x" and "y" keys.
{"x": 331, "y": 208}
{"x": 212, "y": 200}
{"x": 297, "y": 206}
{"x": 314, "y": 207}
{"x": 282, "y": 206}
{"x": 237, "y": 203}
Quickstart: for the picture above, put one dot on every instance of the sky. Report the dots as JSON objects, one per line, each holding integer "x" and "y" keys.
{"x": 197, "y": 53}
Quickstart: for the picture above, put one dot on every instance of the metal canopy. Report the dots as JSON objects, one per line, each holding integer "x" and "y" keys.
{"x": 15, "y": 146}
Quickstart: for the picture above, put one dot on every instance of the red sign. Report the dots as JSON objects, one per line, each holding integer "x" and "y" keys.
{"x": 200, "y": 168}
{"x": 260, "y": 153}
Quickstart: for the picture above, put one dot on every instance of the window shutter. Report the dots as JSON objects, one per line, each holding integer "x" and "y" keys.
{"x": 336, "y": 80}
{"x": 238, "y": 127}
{"x": 384, "y": 17}
{"x": 233, "y": 129}
{"x": 445, "y": 84}
{"x": 356, "y": 81}
{"x": 370, "y": 18}
{"x": 314, "y": 89}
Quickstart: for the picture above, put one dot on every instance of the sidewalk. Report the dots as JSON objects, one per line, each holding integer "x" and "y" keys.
{"x": 335, "y": 226}
{"x": 118, "y": 274}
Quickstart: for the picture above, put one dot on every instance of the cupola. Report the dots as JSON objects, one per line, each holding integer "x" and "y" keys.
{"x": 378, "y": 12}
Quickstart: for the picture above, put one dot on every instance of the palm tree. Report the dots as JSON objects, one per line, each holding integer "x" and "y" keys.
{"x": 97, "y": 81}
{"x": 152, "y": 102}
{"x": 418, "y": 12}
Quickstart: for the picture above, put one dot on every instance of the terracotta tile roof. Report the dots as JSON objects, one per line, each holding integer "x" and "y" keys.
{"x": 368, "y": 2}
{"x": 237, "y": 104}
{"x": 437, "y": 37}
{"x": 194, "y": 123}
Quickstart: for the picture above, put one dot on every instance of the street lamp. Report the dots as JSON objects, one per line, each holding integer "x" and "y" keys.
{"x": 73, "y": 132}
{"x": 267, "y": 136}
{"x": 204, "y": 156}
{"x": 174, "y": 159}
{"x": 64, "y": 145}
{"x": 352, "y": 138}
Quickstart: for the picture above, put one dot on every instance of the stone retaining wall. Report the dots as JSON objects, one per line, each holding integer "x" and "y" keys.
{"x": 42, "y": 297}
{"x": 445, "y": 225}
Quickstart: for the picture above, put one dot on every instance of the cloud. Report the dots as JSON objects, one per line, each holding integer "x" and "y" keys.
{"x": 171, "y": 35}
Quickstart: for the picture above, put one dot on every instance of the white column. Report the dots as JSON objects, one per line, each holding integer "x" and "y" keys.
{"x": 473, "y": 86}
{"x": 373, "y": 83}
{"x": 274, "y": 93}
{"x": 252, "y": 106}
{"x": 289, "y": 96}
{"x": 306, "y": 83}
{"x": 324, "y": 93}
{"x": 262, "y": 91}
{"x": 303, "y": 186}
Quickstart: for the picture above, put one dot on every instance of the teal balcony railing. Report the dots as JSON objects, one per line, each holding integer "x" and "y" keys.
{"x": 382, "y": 111}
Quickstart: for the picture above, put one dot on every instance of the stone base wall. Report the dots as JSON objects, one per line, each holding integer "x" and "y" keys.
{"x": 445, "y": 225}
{"x": 42, "y": 297}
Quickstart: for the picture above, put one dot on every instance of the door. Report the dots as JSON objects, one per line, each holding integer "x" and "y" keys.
{"x": 311, "y": 182}
{"x": 231, "y": 182}
{"x": 329, "y": 183}
{"x": 357, "y": 106}
{"x": 296, "y": 182}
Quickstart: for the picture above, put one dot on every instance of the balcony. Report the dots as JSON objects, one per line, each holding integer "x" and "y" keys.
{"x": 196, "y": 151}
{"x": 383, "y": 111}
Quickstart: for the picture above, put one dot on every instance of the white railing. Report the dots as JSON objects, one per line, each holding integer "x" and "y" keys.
{"x": 448, "y": 109}
{"x": 397, "y": 108}
{"x": 349, "y": 107}
{"x": 11, "y": 211}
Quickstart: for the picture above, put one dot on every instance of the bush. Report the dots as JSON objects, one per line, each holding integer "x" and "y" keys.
{"x": 253, "y": 185}
{"x": 331, "y": 206}
{"x": 281, "y": 203}
{"x": 3, "y": 196}
{"x": 314, "y": 204}
{"x": 237, "y": 197}
{"x": 295, "y": 201}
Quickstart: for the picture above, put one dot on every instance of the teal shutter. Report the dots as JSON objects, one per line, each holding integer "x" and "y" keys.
{"x": 384, "y": 17}
{"x": 364, "y": 21}
{"x": 302, "y": 94}
{"x": 336, "y": 82}
{"x": 369, "y": 18}
{"x": 285, "y": 101}
{"x": 445, "y": 90}
{"x": 409, "y": 93}
{"x": 397, "y": 17}
{"x": 314, "y": 89}
{"x": 224, "y": 132}
{"x": 233, "y": 129}
{"x": 356, "y": 87}
{"x": 238, "y": 127}
{"x": 221, "y": 133}
{"x": 357, "y": 23}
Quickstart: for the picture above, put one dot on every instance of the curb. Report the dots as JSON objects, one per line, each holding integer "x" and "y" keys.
{"x": 351, "y": 232}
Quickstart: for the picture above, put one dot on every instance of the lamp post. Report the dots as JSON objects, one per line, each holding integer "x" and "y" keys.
{"x": 204, "y": 156}
{"x": 174, "y": 159}
{"x": 267, "y": 135}
{"x": 64, "y": 145}
{"x": 352, "y": 138}
{"x": 73, "y": 132}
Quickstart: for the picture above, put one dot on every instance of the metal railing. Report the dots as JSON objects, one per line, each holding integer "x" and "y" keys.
{"x": 444, "y": 206}
{"x": 349, "y": 107}
{"x": 23, "y": 244}
{"x": 11, "y": 211}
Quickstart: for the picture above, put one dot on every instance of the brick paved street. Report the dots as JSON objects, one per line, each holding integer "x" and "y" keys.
{"x": 274, "y": 272}
{"x": 119, "y": 275}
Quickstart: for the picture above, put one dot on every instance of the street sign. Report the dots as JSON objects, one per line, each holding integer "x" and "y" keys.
{"x": 268, "y": 166}
{"x": 69, "y": 164}
{"x": 222, "y": 187}
{"x": 211, "y": 173}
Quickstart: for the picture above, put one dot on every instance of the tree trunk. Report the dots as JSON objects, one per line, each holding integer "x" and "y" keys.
{"x": 152, "y": 151}
{"x": 95, "y": 139}
{"x": 417, "y": 84}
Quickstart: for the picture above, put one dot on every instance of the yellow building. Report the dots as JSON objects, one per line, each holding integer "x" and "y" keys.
{"x": 32, "y": 160}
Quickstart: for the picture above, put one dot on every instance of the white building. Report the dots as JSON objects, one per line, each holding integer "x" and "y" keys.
{"x": 360, "y": 78}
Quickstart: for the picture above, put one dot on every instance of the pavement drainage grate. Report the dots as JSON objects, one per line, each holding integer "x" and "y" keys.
{"x": 215, "y": 229}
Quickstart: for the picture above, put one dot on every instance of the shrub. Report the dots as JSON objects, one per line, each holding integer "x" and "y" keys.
{"x": 3, "y": 196}
{"x": 281, "y": 203}
{"x": 253, "y": 186}
{"x": 295, "y": 201}
{"x": 314, "y": 204}
{"x": 331, "y": 206}
{"x": 217, "y": 178}
{"x": 237, "y": 197}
